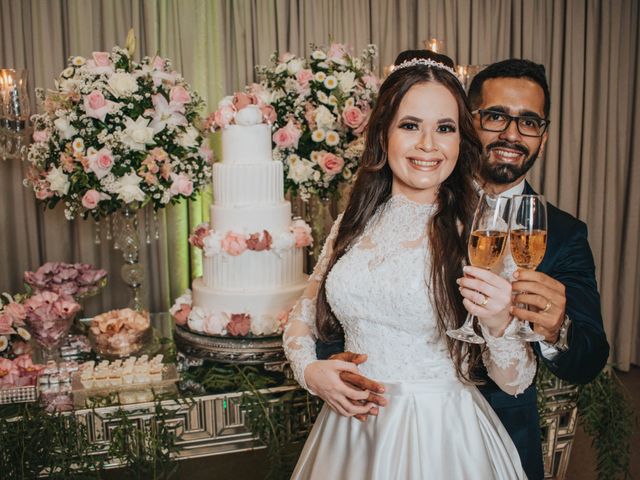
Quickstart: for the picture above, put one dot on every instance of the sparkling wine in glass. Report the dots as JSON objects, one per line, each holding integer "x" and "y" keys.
{"x": 528, "y": 243}
{"x": 487, "y": 242}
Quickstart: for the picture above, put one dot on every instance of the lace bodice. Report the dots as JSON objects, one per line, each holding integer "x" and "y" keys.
{"x": 380, "y": 292}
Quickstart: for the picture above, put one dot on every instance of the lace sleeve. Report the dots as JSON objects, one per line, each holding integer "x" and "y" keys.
{"x": 300, "y": 334}
{"x": 510, "y": 363}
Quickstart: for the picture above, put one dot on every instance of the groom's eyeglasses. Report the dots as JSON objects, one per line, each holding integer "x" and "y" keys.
{"x": 528, "y": 125}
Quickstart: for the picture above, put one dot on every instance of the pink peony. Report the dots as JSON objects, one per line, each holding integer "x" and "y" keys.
{"x": 331, "y": 164}
{"x": 223, "y": 116}
{"x": 90, "y": 199}
{"x": 301, "y": 233}
{"x": 234, "y": 244}
{"x": 182, "y": 315}
{"x": 259, "y": 241}
{"x": 304, "y": 76}
{"x": 41, "y": 135}
{"x": 239, "y": 325}
{"x": 353, "y": 117}
{"x": 287, "y": 136}
{"x": 182, "y": 185}
{"x": 96, "y": 106}
{"x": 268, "y": 114}
{"x": 179, "y": 94}
{"x": 241, "y": 100}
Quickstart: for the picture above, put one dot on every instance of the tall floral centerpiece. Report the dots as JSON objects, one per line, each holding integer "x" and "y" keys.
{"x": 115, "y": 136}
{"x": 322, "y": 104}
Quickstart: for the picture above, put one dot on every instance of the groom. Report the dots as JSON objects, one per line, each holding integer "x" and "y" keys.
{"x": 507, "y": 99}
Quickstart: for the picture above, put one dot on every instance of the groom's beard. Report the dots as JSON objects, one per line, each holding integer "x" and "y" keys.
{"x": 503, "y": 173}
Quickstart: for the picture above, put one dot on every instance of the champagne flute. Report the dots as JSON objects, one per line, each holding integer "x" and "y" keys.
{"x": 487, "y": 241}
{"x": 528, "y": 243}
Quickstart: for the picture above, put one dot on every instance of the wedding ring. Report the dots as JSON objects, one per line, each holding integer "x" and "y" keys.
{"x": 484, "y": 302}
{"x": 546, "y": 307}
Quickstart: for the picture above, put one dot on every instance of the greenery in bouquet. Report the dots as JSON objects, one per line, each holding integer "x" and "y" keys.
{"x": 322, "y": 106}
{"x": 115, "y": 132}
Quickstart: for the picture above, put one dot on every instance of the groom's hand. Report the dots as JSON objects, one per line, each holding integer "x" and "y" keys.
{"x": 361, "y": 382}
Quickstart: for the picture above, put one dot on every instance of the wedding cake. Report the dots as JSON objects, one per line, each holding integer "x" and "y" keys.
{"x": 253, "y": 268}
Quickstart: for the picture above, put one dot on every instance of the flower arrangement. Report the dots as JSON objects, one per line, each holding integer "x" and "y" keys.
{"x": 235, "y": 243}
{"x": 201, "y": 320}
{"x": 322, "y": 104}
{"x": 75, "y": 279}
{"x": 115, "y": 132}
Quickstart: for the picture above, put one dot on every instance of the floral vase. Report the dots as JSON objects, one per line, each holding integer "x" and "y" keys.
{"x": 320, "y": 218}
{"x": 127, "y": 240}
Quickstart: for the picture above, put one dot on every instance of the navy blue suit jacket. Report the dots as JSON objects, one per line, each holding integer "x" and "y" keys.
{"x": 569, "y": 260}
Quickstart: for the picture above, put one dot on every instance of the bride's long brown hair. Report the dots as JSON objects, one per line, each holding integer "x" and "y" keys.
{"x": 448, "y": 229}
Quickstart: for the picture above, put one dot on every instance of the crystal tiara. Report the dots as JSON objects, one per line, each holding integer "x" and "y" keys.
{"x": 426, "y": 62}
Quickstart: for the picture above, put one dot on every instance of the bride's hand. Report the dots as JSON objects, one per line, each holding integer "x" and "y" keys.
{"x": 323, "y": 377}
{"x": 488, "y": 297}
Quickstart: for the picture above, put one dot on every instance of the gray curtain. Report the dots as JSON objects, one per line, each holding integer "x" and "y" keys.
{"x": 590, "y": 49}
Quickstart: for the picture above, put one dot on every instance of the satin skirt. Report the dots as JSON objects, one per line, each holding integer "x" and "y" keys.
{"x": 431, "y": 430}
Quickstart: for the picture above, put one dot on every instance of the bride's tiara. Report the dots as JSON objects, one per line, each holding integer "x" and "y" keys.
{"x": 426, "y": 62}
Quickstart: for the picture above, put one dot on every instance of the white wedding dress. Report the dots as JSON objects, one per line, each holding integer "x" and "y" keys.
{"x": 434, "y": 426}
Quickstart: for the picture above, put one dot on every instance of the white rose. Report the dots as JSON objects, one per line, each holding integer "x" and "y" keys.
{"x": 196, "y": 319}
{"x": 300, "y": 169}
{"x": 295, "y": 65}
{"x": 249, "y": 115}
{"x": 264, "y": 325}
{"x": 122, "y": 84}
{"x": 347, "y": 81}
{"x": 324, "y": 118}
{"x": 189, "y": 138}
{"x": 137, "y": 134}
{"x": 127, "y": 188}
{"x": 65, "y": 128}
{"x": 58, "y": 181}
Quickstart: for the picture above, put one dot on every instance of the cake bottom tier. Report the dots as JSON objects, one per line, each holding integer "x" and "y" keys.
{"x": 267, "y": 311}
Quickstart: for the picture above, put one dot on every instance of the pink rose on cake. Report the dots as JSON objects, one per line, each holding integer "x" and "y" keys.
{"x": 287, "y": 136}
{"x": 234, "y": 244}
{"x": 239, "y": 324}
{"x": 199, "y": 234}
{"x": 331, "y": 164}
{"x": 301, "y": 233}
{"x": 259, "y": 241}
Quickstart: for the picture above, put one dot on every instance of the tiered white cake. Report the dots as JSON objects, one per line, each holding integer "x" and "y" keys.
{"x": 253, "y": 252}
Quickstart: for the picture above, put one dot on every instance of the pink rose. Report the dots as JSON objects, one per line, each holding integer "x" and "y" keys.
{"x": 268, "y": 114}
{"x": 100, "y": 162}
{"x": 331, "y": 164}
{"x": 197, "y": 237}
{"x": 41, "y": 135}
{"x": 90, "y": 199}
{"x": 96, "y": 105}
{"x": 179, "y": 94}
{"x": 304, "y": 76}
{"x": 182, "y": 315}
{"x": 287, "y": 136}
{"x": 182, "y": 185}
{"x": 259, "y": 241}
{"x": 223, "y": 116}
{"x": 241, "y": 100}
{"x": 353, "y": 117}
{"x": 301, "y": 233}
{"x": 239, "y": 325}
{"x": 234, "y": 244}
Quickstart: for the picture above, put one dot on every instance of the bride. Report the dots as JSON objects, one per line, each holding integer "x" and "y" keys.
{"x": 387, "y": 279}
